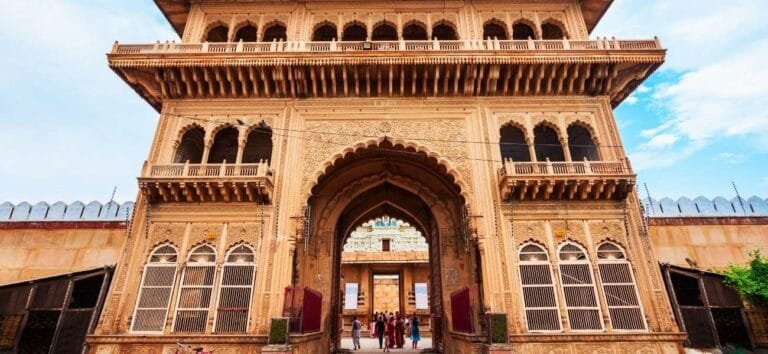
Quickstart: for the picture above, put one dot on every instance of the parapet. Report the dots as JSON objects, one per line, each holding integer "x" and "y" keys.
{"x": 60, "y": 211}
{"x": 704, "y": 207}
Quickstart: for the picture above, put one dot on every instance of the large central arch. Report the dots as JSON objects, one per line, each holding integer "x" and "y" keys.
{"x": 403, "y": 182}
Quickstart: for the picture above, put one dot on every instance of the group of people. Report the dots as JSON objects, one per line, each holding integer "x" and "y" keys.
{"x": 391, "y": 330}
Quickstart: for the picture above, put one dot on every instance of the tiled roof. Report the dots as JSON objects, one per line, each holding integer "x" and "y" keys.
{"x": 60, "y": 211}
{"x": 704, "y": 207}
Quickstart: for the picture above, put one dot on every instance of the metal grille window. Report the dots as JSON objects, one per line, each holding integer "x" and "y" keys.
{"x": 579, "y": 289}
{"x": 235, "y": 291}
{"x": 539, "y": 298}
{"x": 619, "y": 288}
{"x": 196, "y": 290}
{"x": 155, "y": 292}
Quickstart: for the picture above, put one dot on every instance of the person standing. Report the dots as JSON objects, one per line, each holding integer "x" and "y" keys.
{"x": 381, "y": 324}
{"x": 390, "y": 333}
{"x": 415, "y": 334}
{"x": 399, "y": 330}
{"x": 356, "y": 326}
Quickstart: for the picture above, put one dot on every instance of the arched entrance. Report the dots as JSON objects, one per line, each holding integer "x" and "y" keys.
{"x": 389, "y": 179}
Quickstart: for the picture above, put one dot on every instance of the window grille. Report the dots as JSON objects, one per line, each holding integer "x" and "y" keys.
{"x": 579, "y": 289}
{"x": 155, "y": 292}
{"x": 541, "y": 307}
{"x": 235, "y": 291}
{"x": 195, "y": 291}
{"x": 619, "y": 288}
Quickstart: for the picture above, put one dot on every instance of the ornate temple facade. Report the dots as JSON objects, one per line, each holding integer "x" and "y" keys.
{"x": 487, "y": 126}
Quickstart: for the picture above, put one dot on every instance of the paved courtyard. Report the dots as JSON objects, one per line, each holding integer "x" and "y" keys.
{"x": 371, "y": 345}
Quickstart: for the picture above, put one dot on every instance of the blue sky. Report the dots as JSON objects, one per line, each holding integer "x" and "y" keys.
{"x": 70, "y": 129}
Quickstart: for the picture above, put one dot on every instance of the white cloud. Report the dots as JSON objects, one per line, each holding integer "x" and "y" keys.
{"x": 726, "y": 98}
{"x": 696, "y": 33}
{"x": 731, "y": 158}
{"x": 662, "y": 141}
{"x": 632, "y": 99}
{"x": 717, "y": 51}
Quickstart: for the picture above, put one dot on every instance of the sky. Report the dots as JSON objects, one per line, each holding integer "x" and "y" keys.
{"x": 70, "y": 129}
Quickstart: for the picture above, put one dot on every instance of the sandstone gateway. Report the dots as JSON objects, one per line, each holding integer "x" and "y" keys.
{"x": 485, "y": 125}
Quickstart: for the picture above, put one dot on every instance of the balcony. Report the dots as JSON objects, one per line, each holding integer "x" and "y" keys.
{"x": 223, "y": 182}
{"x": 602, "y": 67}
{"x": 587, "y": 180}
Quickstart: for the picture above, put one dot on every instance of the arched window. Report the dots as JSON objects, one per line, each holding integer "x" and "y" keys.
{"x": 235, "y": 290}
{"x": 579, "y": 289}
{"x": 551, "y": 31}
{"x": 191, "y": 146}
{"x": 155, "y": 291}
{"x": 276, "y": 32}
{"x": 324, "y": 33}
{"x": 619, "y": 288}
{"x": 195, "y": 291}
{"x": 354, "y": 32}
{"x": 384, "y": 32}
{"x": 581, "y": 144}
{"x": 541, "y": 309}
{"x": 219, "y": 33}
{"x": 259, "y": 145}
{"x": 513, "y": 145}
{"x": 547, "y": 144}
{"x": 224, "y": 146}
{"x": 414, "y": 32}
{"x": 521, "y": 31}
{"x": 444, "y": 32}
{"x": 494, "y": 30}
{"x": 247, "y": 33}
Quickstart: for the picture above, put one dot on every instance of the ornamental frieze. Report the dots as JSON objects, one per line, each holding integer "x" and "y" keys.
{"x": 442, "y": 137}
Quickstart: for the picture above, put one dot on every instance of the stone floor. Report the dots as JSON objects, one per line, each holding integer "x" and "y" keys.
{"x": 371, "y": 345}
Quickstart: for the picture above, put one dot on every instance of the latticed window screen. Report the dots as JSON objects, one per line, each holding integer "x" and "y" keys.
{"x": 619, "y": 288}
{"x": 579, "y": 289}
{"x": 155, "y": 292}
{"x": 539, "y": 298}
{"x": 235, "y": 291}
{"x": 195, "y": 291}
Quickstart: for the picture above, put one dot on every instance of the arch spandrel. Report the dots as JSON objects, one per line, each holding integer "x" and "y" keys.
{"x": 312, "y": 158}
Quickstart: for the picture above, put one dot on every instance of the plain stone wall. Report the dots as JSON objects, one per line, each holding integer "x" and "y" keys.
{"x": 41, "y": 252}
{"x": 709, "y": 246}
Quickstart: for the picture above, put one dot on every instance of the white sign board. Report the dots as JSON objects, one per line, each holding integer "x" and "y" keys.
{"x": 422, "y": 302}
{"x": 350, "y": 296}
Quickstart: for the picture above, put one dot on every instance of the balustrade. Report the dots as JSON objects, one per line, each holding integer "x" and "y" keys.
{"x": 181, "y": 170}
{"x": 565, "y": 180}
{"x": 563, "y": 168}
{"x": 402, "y": 45}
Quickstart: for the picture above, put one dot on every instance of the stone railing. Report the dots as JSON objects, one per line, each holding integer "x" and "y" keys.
{"x": 402, "y": 45}
{"x": 222, "y": 170}
{"x": 549, "y": 168}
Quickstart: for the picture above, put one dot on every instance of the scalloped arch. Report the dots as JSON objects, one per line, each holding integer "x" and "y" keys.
{"x": 584, "y": 124}
{"x": 326, "y": 167}
{"x": 213, "y": 24}
{"x": 558, "y": 23}
{"x": 185, "y": 129}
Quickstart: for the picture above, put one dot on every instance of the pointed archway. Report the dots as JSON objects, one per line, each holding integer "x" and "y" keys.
{"x": 402, "y": 182}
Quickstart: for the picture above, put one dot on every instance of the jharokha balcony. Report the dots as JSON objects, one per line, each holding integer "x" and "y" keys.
{"x": 220, "y": 182}
{"x": 404, "y": 68}
{"x": 586, "y": 180}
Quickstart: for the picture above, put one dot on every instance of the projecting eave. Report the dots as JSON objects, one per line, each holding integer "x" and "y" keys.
{"x": 420, "y": 69}
{"x": 593, "y": 11}
{"x": 177, "y": 11}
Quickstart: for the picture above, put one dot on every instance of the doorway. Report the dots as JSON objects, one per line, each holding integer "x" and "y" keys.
{"x": 403, "y": 183}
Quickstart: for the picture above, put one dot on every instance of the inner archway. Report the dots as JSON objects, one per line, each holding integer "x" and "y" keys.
{"x": 407, "y": 184}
